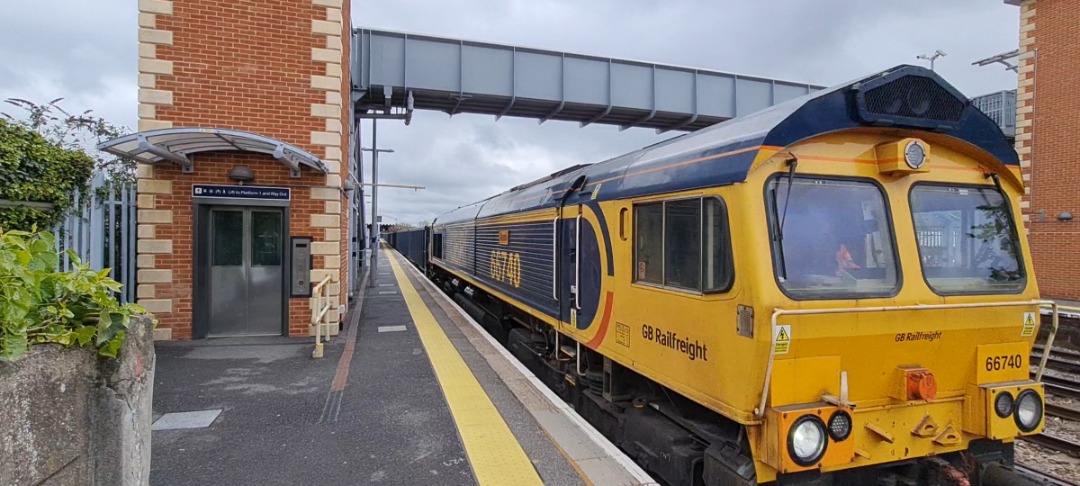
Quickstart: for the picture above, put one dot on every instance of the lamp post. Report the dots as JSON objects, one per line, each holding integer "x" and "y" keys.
{"x": 375, "y": 150}
{"x": 932, "y": 57}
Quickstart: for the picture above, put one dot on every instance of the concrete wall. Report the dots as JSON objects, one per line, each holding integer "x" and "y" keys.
{"x": 72, "y": 418}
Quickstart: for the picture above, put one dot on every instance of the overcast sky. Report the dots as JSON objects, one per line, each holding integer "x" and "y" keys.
{"x": 86, "y": 51}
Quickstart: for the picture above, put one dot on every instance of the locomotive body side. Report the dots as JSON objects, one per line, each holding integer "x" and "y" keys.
{"x": 805, "y": 271}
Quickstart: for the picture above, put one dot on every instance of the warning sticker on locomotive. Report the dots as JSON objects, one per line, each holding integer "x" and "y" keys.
{"x": 622, "y": 334}
{"x": 782, "y": 339}
{"x": 1029, "y": 324}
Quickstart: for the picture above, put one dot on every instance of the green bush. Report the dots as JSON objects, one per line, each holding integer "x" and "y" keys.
{"x": 33, "y": 168}
{"x": 41, "y": 305}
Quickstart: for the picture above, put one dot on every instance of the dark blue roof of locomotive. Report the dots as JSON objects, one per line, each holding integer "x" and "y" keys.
{"x": 722, "y": 154}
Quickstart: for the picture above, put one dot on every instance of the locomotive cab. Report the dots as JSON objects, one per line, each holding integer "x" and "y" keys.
{"x": 834, "y": 290}
{"x": 902, "y": 307}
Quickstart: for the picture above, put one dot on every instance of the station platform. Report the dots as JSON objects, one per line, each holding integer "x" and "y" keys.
{"x": 412, "y": 392}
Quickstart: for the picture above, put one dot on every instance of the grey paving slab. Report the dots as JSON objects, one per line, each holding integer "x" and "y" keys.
{"x": 576, "y": 446}
{"x": 611, "y": 472}
{"x": 186, "y": 420}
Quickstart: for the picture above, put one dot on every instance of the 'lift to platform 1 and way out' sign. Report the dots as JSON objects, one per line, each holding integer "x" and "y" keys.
{"x": 242, "y": 192}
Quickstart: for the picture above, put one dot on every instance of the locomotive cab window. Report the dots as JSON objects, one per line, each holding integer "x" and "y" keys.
{"x": 683, "y": 244}
{"x": 967, "y": 240}
{"x": 831, "y": 238}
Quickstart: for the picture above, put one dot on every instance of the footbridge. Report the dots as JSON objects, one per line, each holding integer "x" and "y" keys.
{"x": 395, "y": 73}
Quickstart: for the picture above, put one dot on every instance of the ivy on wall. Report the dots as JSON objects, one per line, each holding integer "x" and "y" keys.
{"x": 37, "y": 170}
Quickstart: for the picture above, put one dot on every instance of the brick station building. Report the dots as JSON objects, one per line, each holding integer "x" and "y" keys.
{"x": 1047, "y": 123}
{"x": 244, "y": 150}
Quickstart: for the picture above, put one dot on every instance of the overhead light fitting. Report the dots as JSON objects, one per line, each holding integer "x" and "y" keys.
{"x": 241, "y": 174}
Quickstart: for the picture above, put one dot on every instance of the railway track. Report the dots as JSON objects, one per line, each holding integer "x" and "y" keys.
{"x": 1052, "y": 442}
{"x": 1066, "y": 413}
{"x": 1061, "y": 386}
{"x": 1041, "y": 477}
{"x": 1059, "y": 361}
{"x": 1064, "y": 361}
{"x": 1064, "y": 352}
{"x": 1056, "y": 443}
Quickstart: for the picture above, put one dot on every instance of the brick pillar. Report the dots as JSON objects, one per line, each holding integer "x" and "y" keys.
{"x": 1025, "y": 100}
{"x": 277, "y": 68}
{"x": 1048, "y": 112}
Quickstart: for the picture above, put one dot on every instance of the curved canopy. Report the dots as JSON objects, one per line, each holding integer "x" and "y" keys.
{"x": 173, "y": 145}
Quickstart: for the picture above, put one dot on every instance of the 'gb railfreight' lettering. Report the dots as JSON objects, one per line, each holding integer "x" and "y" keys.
{"x": 692, "y": 349}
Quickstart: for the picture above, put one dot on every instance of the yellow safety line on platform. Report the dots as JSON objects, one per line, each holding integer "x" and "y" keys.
{"x": 494, "y": 453}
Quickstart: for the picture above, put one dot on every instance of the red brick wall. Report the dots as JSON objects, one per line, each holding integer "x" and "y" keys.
{"x": 1055, "y": 147}
{"x": 212, "y": 168}
{"x": 346, "y": 87}
{"x": 242, "y": 65}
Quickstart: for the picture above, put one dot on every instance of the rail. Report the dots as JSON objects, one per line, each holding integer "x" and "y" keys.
{"x": 320, "y": 306}
{"x": 1057, "y": 443}
{"x": 1040, "y": 476}
{"x": 759, "y": 412}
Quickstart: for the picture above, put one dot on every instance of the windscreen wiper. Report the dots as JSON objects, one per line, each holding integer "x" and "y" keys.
{"x": 792, "y": 163}
{"x": 782, "y": 263}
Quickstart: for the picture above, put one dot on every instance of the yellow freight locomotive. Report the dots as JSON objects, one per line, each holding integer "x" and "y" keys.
{"x": 830, "y": 291}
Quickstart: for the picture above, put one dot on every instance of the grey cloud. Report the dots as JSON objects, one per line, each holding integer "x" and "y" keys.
{"x": 77, "y": 46}
{"x": 83, "y": 51}
{"x": 821, "y": 42}
{"x": 468, "y": 158}
{"x": 87, "y": 51}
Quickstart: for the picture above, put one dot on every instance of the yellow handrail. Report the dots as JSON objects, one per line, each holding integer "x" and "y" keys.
{"x": 320, "y": 306}
{"x": 1055, "y": 317}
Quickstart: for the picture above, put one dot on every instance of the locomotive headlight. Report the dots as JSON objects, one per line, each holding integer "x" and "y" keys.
{"x": 1003, "y": 404}
{"x": 839, "y": 425}
{"x": 807, "y": 440}
{"x": 1029, "y": 410}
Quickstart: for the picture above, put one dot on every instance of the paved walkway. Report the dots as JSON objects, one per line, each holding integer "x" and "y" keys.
{"x": 404, "y": 396}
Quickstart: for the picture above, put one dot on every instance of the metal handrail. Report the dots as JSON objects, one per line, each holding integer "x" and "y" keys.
{"x": 320, "y": 306}
{"x": 759, "y": 412}
{"x": 1055, "y": 313}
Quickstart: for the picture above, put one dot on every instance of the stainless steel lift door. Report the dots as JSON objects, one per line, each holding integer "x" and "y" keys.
{"x": 246, "y": 262}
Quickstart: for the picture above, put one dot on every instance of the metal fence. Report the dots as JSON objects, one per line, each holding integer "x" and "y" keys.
{"x": 102, "y": 233}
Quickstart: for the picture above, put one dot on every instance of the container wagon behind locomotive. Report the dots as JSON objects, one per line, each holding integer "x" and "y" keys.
{"x": 830, "y": 291}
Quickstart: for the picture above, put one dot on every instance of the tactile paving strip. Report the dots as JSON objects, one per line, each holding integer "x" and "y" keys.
{"x": 494, "y": 453}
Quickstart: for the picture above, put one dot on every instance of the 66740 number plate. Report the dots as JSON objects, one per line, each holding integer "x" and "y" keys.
{"x": 1002, "y": 362}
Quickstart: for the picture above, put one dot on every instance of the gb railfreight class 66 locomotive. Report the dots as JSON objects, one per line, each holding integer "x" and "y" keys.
{"x": 830, "y": 291}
